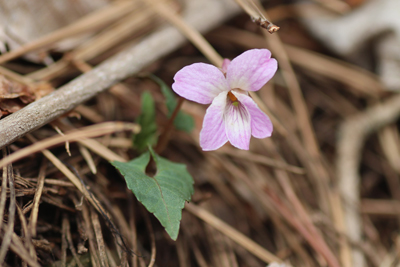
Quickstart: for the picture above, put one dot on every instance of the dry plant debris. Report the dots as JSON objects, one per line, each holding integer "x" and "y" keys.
{"x": 324, "y": 190}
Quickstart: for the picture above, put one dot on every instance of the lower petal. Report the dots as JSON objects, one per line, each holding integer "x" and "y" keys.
{"x": 237, "y": 124}
{"x": 212, "y": 135}
{"x": 261, "y": 125}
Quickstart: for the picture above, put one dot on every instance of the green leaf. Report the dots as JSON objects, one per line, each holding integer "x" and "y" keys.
{"x": 147, "y": 121}
{"x": 183, "y": 121}
{"x": 165, "y": 194}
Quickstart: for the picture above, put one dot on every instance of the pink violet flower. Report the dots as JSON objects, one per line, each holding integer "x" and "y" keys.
{"x": 233, "y": 115}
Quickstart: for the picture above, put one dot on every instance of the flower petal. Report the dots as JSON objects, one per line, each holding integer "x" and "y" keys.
{"x": 261, "y": 125}
{"x": 199, "y": 82}
{"x": 237, "y": 125}
{"x": 251, "y": 70}
{"x": 212, "y": 135}
{"x": 225, "y": 65}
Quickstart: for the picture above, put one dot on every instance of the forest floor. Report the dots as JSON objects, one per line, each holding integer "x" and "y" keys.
{"x": 322, "y": 190}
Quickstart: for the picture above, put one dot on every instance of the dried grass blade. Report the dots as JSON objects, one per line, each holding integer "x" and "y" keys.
{"x": 28, "y": 238}
{"x": 69, "y": 240}
{"x": 87, "y": 23}
{"x": 88, "y": 158}
{"x": 98, "y": 44}
{"x": 92, "y": 239}
{"x": 232, "y": 233}
{"x": 338, "y": 6}
{"x": 325, "y": 196}
{"x": 363, "y": 81}
{"x": 9, "y": 228}
{"x": 36, "y": 199}
{"x": 132, "y": 228}
{"x": 19, "y": 249}
{"x": 75, "y": 135}
{"x": 190, "y": 32}
{"x": 64, "y": 243}
{"x": 75, "y": 180}
{"x": 152, "y": 237}
{"x": 111, "y": 259}
{"x": 389, "y": 141}
{"x": 256, "y": 158}
{"x": 3, "y": 190}
{"x": 99, "y": 237}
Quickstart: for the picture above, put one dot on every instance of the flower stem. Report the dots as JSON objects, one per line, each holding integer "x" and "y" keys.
{"x": 166, "y": 134}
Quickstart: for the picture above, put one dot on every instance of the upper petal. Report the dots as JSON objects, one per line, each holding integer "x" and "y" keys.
{"x": 225, "y": 65}
{"x": 212, "y": 135}
{"x": 261, "y": 125}
{"x": 237, "y": 125}
{"x": 251, "y": 70}
{"x": 199, "y": 82}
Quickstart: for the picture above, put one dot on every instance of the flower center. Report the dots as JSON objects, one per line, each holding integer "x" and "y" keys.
{"x": 233, "y": 98}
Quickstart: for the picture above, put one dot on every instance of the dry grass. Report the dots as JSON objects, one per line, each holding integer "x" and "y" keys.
{"x": 322, "y": 191}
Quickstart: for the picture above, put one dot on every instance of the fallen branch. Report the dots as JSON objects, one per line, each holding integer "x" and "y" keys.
{"x": 352, "y": 135}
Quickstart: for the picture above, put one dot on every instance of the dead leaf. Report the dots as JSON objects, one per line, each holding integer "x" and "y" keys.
{"x": 14, "y": 96}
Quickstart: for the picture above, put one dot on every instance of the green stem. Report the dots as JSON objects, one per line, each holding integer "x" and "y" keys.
{"x": 165, "y": 136}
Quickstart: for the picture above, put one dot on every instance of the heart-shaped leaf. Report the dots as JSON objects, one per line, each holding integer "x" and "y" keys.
{"x": 165, "y": 194}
